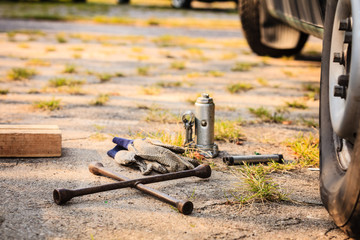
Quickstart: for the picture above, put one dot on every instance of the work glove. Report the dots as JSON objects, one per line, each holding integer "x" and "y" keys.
{"x": 149, "y": 154}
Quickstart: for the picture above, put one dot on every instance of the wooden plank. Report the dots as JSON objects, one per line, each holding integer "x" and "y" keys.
{"x": 30, "y": 141}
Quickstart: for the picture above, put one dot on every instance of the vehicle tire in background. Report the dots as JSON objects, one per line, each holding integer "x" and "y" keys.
{"x": 276, "y": 39}
{"x": 123, "y": 1}
{"x": 339, "y": 156}
{"x": 181, "y": 3}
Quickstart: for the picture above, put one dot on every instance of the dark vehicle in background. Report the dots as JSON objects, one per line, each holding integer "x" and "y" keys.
{"x": 280, "y": 28}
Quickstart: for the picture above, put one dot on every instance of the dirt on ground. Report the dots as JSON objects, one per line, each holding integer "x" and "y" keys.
{"x": 148, "y": 77}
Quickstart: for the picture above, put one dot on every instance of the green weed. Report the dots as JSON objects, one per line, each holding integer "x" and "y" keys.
{"x": 195, "y": 52}
{"x": 175, "y": 138}
{"x": 262, "y": 81}
{"x": 50, "y": 49}
{"x": 70, "y": 68}
{"x": 178, "y": 65}
{"x": 77, "y": 56}
{"x": 34, "y": 91}
{"x": 150, "y": 90}
{"x": 288, "y": 73}
{"x": 297, "y": 104}
{"x": 167, "y": 41}
{"x": 258, "y": 185}
{"x": 306, "y": 148}
{"x": 161, "y": 116}
{"x": 104, "y": 77}
{"x": 119, "y": 74}
{"x": 11, "y": 36}
{"x": 62, "y": 81}
{"x": 51, "y": 105}
{"x": 4, "y": 91}
{"x": 38, "y": 62}
{"x": 143, "y": 71}
{"x": 313, "y": 91}
{"x": 312, "y": 88}
{"x": 100, "y": 100}
{"x": 194, "y": 75}
{"x": 153, "y": 22}
{"x": 163, "y": 84}
{"x": 61, "y": 38}
{"x": 243, "y": 66}
{"x": 228, "y": 131}
{"x": 77, "y": 49}
{"x": 215, "y": 73}
{"x": 239, "y": 87}
{"x": 31, "y": 34}
{"x": 229, "y": 56}
{"x": 310, "y": 122}
{"x": 18, "y": 74}
{"x": 266, "y": 116}
{"x": 98, "y": 137}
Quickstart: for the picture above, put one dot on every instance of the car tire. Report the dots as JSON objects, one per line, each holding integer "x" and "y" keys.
{"x": 181, "y": 4}
{"x": 123, "y": 1}
{"x": 254, "y": 31}
{"x": 339, "y": 157}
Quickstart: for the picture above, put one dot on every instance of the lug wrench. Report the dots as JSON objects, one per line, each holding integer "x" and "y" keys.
{"x": 63, "y": 195}
{"x": 185, "y": 207}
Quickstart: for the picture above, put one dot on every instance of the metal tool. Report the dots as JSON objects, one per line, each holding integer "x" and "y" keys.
{"x": 204, "y": 126}
{"x": 185, "y": 207}
{"x": 63, "y": 195}
{"x": 238, "y": 160}
{"x": 188, "y": 119}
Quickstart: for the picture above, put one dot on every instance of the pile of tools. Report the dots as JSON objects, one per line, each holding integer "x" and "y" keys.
{"x": 61, "y": 196}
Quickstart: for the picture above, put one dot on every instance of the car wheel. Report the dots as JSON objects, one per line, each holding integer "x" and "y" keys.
{"x": 181, "y": 3}
{"x": 266, "y": 35}
{"x": 339, "y": 115}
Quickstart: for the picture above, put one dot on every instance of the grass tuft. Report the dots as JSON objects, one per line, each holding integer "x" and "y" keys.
{"x": 215, "y": 73}
{"x": 243, "y": 66}
{"x": 156, "y": 114}
{"x": 51, "y": 105}
{"x": 18, "y": 74}
{"x": 61, "y": 38}
{"x": 4, "y": 91}
{"x": 100, "y": 100}
{"x": 258, "y": 185}
{"x": 262, "y": 81}
{"x": 38, "y": 62}
{"x": 306, "y": 148}
{"x": 178, "y": 65}
{"x": 228, "y": 131}
{"x": 150, "y": 90}
{"x": 297, "y": 104}
{"x": 143, "y": 71}
{"x": 104, "y": 77}
{"x": 62, "y": 81}
{"x": 163, "y": 84}
{"x": 265, "y": 115}
{"x": 70, "y": 68}
{"x": 239, "y": 87}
